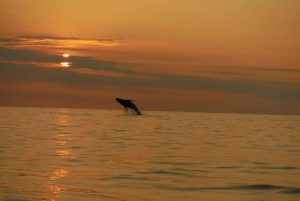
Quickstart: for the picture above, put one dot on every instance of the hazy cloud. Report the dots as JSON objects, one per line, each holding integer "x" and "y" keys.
{"x": 224, "y": 72}
{"x": 85, "y": 72}
{"x": 79, "y": 64}
{"x": 88, "y": 71}
{"x": 289, "y": 70}
{"x": 27, "y": 55}
{"x": 55, "y": 41}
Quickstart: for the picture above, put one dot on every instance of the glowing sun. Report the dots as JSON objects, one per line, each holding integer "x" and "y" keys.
{"x": 65, "y": 64}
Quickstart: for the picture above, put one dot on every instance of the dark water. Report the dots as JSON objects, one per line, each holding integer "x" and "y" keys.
{"x": 69, "y": 154}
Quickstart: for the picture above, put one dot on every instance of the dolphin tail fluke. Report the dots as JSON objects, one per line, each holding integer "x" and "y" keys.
{"x": 134, "y": 107}
{"x": 138, "y": 112}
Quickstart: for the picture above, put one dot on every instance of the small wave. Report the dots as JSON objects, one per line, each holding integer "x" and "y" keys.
{"x": 254, "y": 187}
{"x": 257, "y": 187}
{"x": 228, "y": 167}
{"x": 172, "y": 173}
{"x": 277, "y": 168}
{"x": 282, "y": 189}
{"x": 292, "y": 191}
{"x": 15, "y": 199}
{"x": 126, "y": 177}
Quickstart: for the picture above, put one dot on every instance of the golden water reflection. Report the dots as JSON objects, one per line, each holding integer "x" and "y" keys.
{"x": 65, "y": 154}
{"x": 59, "y": 174}
{"x": 63, "y": 119}
{"x": 55, "y": 189}
{"x": 63, "y": 138}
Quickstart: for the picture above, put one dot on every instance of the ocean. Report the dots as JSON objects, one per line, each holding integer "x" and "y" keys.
{"x": 87, "y": 155}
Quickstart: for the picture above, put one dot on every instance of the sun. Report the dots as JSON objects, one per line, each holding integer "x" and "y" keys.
{"x": 66, "y": 55}
{"x": 65, "y": 64}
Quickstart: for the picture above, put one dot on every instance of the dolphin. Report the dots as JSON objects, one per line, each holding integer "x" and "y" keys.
{"x": 129, "y": 104}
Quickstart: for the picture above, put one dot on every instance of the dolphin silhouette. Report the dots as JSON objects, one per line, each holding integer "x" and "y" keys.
{"x": 129, "y": 104}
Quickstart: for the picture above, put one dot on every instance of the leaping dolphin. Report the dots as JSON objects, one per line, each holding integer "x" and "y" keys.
{"x": 129, "y": 104}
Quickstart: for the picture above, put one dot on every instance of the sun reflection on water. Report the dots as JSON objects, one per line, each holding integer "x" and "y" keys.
{"x": 63, "y": 119}
{"x": 63, "y": 137}
{"x": 58, "y": 174}
{"x": 55, "y": 189}
{"x": 65, "y": 154}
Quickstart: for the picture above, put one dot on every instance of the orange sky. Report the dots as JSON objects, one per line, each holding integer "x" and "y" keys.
{"x": 196, "y": 55}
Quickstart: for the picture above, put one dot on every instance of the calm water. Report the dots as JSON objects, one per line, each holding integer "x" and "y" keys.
{"x": 87, "y": 155}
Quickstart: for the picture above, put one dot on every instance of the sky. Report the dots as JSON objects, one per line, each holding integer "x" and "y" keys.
{"x": 228, "y": 56}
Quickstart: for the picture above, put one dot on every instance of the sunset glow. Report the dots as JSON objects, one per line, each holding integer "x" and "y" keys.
{"x": 207, "y": 47}
{"x": 65, "y": 64}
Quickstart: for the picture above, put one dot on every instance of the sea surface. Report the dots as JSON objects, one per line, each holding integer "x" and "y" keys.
{"x": 88, "y": 155}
